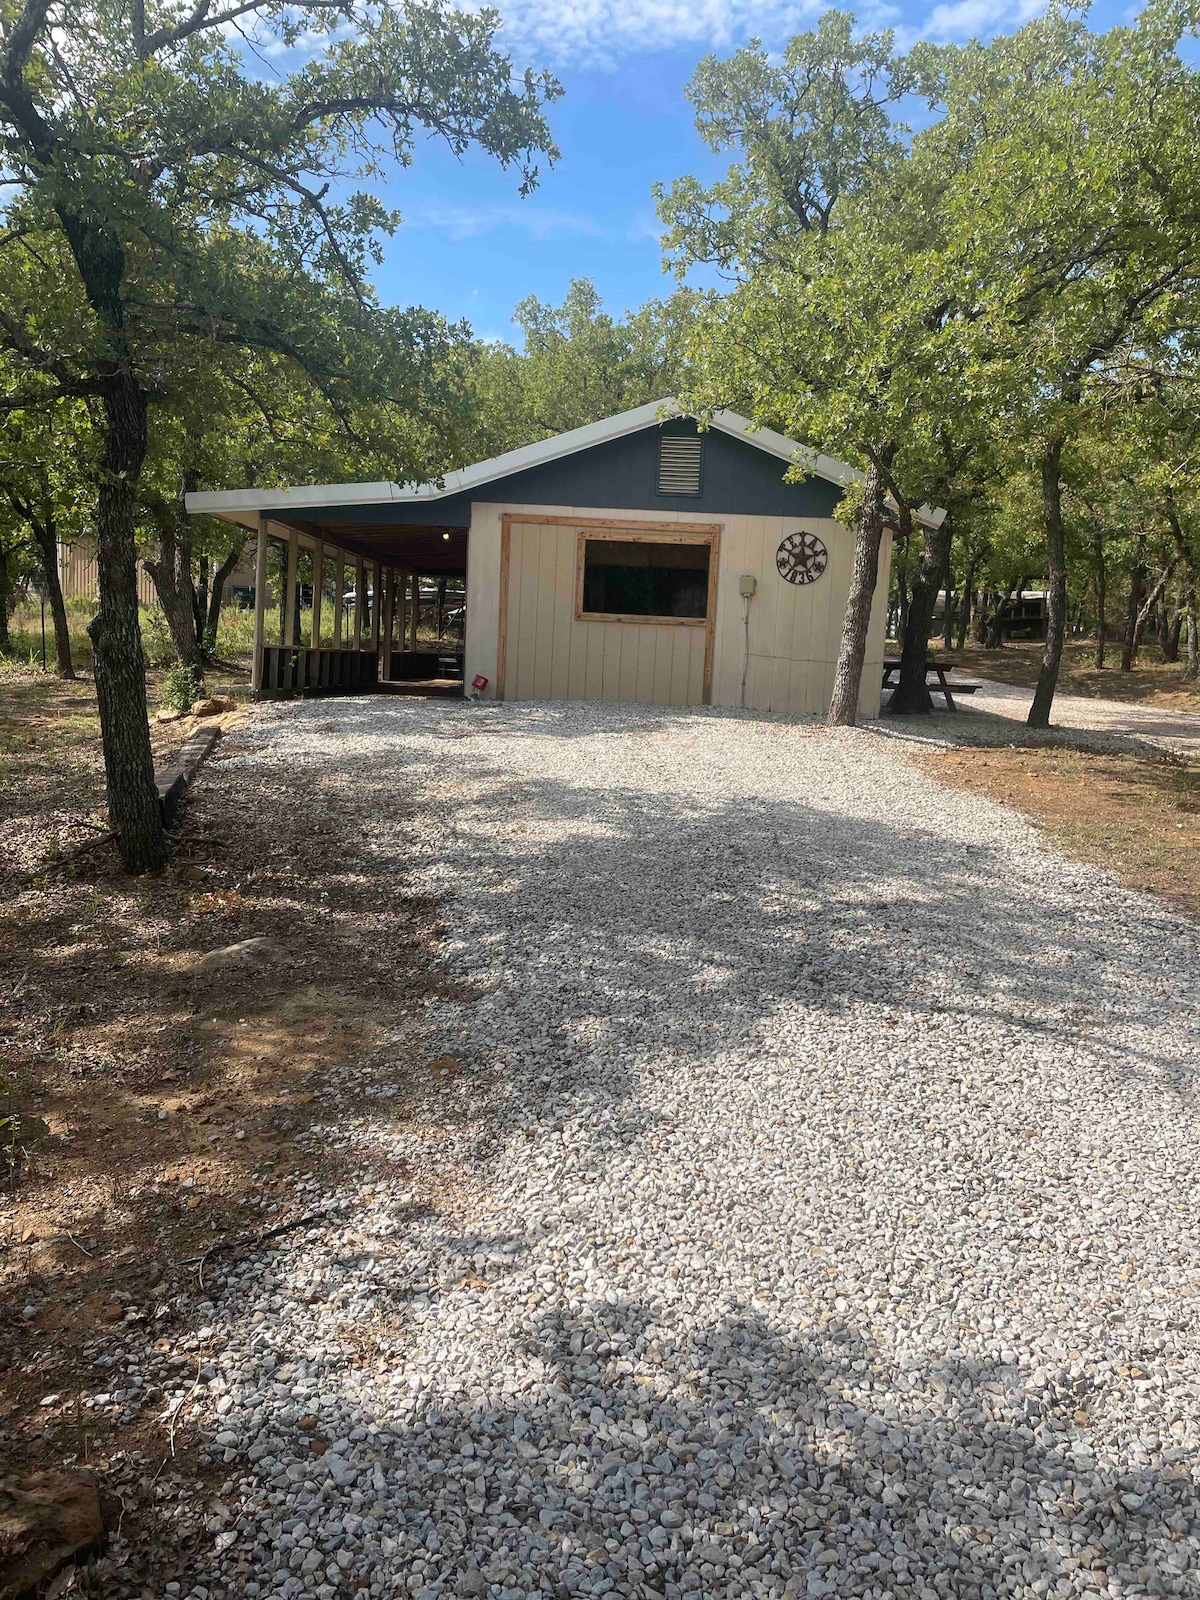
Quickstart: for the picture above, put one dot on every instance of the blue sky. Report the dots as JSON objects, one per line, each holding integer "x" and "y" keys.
{"x": 471, "y": 247}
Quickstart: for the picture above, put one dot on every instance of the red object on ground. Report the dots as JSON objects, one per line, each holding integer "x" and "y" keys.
{"x": 479, "y": 681}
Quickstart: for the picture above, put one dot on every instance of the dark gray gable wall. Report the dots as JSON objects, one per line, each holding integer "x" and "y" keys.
{"x": 736, "y": 479}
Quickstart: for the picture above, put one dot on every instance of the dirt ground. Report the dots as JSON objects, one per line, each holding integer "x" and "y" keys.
{"x": 1136, "y": 815}
{"x": 150, "y": 1108}
{"x": 1151, "y": 683}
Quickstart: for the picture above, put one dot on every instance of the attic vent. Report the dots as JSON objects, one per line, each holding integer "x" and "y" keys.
{"x": 679, "y": 463}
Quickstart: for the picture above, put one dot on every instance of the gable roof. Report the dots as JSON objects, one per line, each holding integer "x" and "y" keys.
{"x": 218, "y": 502}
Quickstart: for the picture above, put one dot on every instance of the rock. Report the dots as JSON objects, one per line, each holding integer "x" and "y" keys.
{"x": 257, "y": 952}
{"x": 112, "y": 1312}
{"x": 169, "y": 714}
{"x": 212, "y": 706}
{"x": 45, "y": 1520}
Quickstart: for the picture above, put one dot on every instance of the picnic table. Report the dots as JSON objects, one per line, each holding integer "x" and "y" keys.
{"x": 891, "y": 669}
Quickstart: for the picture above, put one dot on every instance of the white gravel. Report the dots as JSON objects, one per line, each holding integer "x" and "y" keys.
{"x": 828, "y": 1221}
{"x": 1080, "y": 715}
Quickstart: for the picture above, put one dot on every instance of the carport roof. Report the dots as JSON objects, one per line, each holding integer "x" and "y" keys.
{"x": 365, "y": 515}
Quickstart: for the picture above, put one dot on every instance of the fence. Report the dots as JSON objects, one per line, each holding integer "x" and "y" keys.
{"x": 80, "y": 576}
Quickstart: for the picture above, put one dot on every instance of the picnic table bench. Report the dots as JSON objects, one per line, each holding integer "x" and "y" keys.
{"x": 891, "y": 669}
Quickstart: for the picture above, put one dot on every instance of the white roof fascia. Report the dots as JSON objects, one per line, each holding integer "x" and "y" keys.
{"x": 215, "y": 502}
{"x": 223, "y": 502}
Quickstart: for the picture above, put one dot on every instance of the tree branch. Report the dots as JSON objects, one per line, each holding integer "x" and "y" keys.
{"x": 18, "y": 48}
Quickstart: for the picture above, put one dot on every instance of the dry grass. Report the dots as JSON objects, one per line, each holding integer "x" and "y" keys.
{"x": 163, "y": 1110}
{"x": 1136, "y": 815}
{"x": 1152, "y": 683}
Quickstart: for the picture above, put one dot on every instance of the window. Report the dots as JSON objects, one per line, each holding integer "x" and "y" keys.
{"x": 679, "y": 463}
{"x": 644, "y": 577}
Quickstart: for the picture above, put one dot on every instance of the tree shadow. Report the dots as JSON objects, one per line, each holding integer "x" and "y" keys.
{"x": 619, "y": 935}
{"x": 612, "y": 1448}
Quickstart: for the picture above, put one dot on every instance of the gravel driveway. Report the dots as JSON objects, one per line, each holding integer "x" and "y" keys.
{"x": 825, "y": 1152}
{"x": 1173, "y": 730}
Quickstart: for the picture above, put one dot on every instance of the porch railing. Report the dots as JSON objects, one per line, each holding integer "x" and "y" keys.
{"x": 308, "y": 669}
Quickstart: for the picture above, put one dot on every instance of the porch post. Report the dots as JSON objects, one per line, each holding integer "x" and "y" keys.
{"x": 400, "y": 604}
{"x": 414, "y": 617}
{"x": 290, "y": 675}
{"x": 339, "y": 585}
{"x": 359, "y": 579}
{"x": 376, "y": 598}
{"x": 318, "y": 568}
{"x": 389, "y": 603}
{"x": 260, "y": 605}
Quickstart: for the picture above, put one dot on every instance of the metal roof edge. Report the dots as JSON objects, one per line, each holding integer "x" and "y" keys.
{"x": 224, "y": 502}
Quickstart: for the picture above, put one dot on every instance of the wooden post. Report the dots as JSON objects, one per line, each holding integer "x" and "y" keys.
{"x": 404, "y": 608}
{"x": 360, "y": 577}
{"x": 415, "y": 615}
{"x": 376, "y": 592}
{"x": 260, "y": 605}
{"x": 339, "y": 585}
{"x": 292, "y": 671}
{"x": 389, "y": 602}
{"x": 441, "y": 608}
{"x": 318, "y": 571}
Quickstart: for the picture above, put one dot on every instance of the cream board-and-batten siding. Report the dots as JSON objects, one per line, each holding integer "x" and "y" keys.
{"x": 524, "y": 637}
{"x": 514, "y": 527}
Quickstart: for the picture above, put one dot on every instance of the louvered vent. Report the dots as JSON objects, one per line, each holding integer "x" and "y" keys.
{"x": 678, "y": 464}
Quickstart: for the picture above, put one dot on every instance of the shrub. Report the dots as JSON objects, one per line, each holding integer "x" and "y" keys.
{"x": 157, "y": 645}
{"x": 179, "y": 688}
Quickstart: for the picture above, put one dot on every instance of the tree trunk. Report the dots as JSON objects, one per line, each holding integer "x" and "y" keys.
{"x": 995, "y": 626}
{"x": 968, "y": 595}
{"x": 1174, "y": 634}
{"x": 1101, "y": 599}
{"x": 1056, "y": 595}
{"x": 172, "y": 575}
{"x": 983, "y": 619}
{"x": 200, "y": 599}
{"x": 847, "y": 679}
{"x": 948, "y": 608}
{"x": 216, "y": 598}
{"x": 6, "y": 589}
{"x": 116, "y": 637}
{"x": 911, "y": 695}
{"x": 1192, "y": 669}
{"x": 1153, "y": 599}
{"x": 992, "y": 625}
{"x": 902, "y": 593}
{"x": 46, "y": 542}
{"x": 1137, "y": 579}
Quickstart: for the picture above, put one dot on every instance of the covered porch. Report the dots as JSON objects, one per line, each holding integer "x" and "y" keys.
{"x": 398, "y": 627}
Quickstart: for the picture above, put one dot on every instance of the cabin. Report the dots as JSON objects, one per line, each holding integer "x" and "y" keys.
{"x": 637, "y": 559}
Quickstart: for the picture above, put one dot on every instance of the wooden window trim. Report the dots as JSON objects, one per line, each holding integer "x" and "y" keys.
{"x": 615, "y": 536}
{"x": 624, "y": 531}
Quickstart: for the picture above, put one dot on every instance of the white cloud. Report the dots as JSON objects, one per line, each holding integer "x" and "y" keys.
{"x": 645, "y": 229}
{"x": 461, "y": 221}
{"x": 972, "y": 19}
{"x": 598, "y": 33}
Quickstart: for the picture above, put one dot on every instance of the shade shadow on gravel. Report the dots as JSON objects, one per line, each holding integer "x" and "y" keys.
{"x": 831, "y": 1233}
{"x": 740, "y": 1459}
